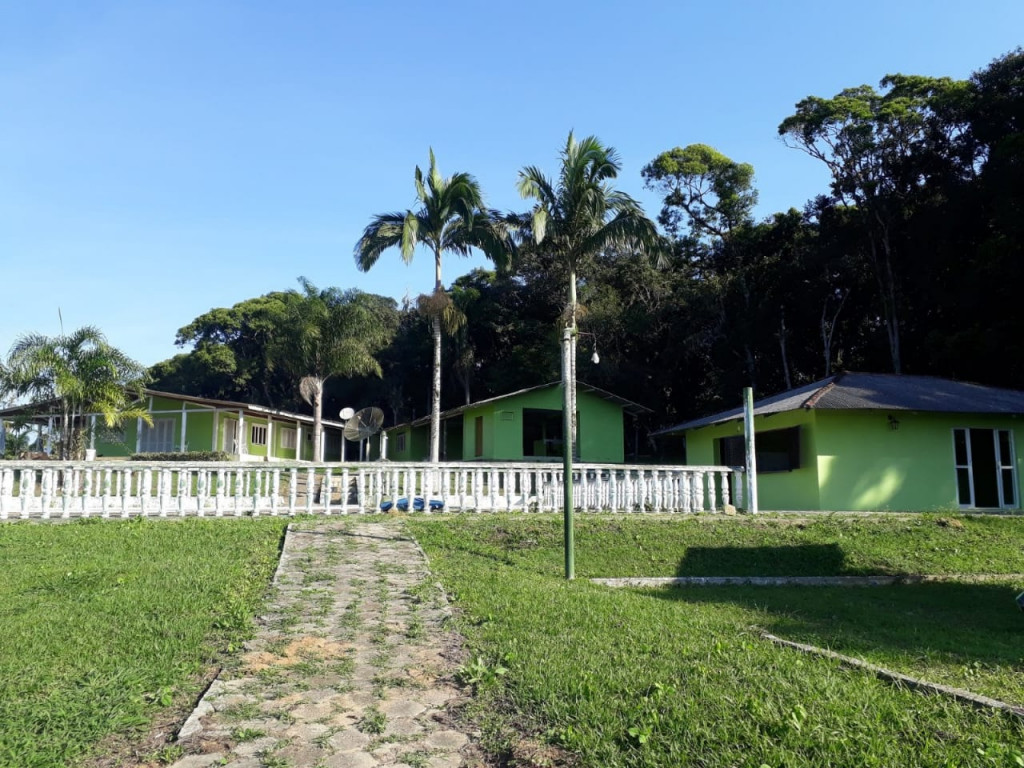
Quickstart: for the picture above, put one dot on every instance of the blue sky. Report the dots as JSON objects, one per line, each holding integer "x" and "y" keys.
{"x": 158, "y": 159}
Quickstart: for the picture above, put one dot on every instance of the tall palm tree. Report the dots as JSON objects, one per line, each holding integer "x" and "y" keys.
{"x": 451, "y": 218}
{"x": 577, "y": 218}
{"x": 80, "y": 373}
{"x": 327, "y": 333}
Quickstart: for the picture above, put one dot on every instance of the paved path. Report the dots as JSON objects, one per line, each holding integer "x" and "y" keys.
{"x": 348, "y": 669}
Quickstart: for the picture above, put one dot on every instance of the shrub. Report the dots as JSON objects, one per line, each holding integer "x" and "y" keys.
{"x": 186, "y": 456}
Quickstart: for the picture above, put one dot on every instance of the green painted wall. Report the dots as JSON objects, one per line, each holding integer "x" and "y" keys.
{"x": 865, "y": 465}
{"x": 793, "y": 490}
{"x": 199, "y": 425}
{"x": 600, "y": 427}
{"x": 853, "y": 460}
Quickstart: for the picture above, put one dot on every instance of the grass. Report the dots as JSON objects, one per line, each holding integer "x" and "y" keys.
{"x": 652, "y": 678}
{"x": 620, "y": 546}
{"x": 106, "y": 623}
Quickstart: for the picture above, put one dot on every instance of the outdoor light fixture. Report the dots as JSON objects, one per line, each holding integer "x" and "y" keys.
{"x": 894, "y": 423}
{"x": 595, "y": 358}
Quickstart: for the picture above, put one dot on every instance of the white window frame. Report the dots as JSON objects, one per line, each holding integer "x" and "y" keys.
{"x": 1000, "y": 467}
{"x": 287, "y": 439}
{"x": 258, "y": 434}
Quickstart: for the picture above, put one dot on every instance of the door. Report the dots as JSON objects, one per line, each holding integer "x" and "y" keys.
{"x": 230, "y": 436}
{"x": 985, "y": 469}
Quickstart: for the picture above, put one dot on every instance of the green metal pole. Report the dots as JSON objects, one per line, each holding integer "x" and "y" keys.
{"x": 567, "y": 510}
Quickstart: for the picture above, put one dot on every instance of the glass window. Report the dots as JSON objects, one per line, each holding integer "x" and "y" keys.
{"x": 259, "y": 434}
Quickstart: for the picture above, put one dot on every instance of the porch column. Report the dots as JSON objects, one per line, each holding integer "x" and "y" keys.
{"x": 184, "y": 425}
{"x": 138, "y": 435}
{"x": 298, "y": 441}
{"x": 216, "y": 425}
{"x": 270, "y": 438}
{"x": 242, "y": 443}
{"x": 48, "y": 448}
{"x": 92, "y": 432}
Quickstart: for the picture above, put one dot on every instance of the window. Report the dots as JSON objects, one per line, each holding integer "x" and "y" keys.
{"x": 478, "y": 448}
{"x": 984, "y": 465}
{"x": 400, "y": 443}
{"x": 776, "y": 451}
{"x": 288, "y": 437}
{"x": 258, "y": 435}
{"x": 158, "y": 438}
{"x": 542, "y": 432}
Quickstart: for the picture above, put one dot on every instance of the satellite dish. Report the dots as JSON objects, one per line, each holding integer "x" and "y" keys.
{"x": 363, "y": 423}
{"x": 347, "y": 413}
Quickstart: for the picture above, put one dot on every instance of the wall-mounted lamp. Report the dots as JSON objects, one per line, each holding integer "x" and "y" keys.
{"x": 894, "y": 423}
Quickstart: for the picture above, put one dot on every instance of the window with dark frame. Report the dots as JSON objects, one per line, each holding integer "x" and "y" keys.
{"x": 777, "y": 450}
{"x": 542, "y": 432}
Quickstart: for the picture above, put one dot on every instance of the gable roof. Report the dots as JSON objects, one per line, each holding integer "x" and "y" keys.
{"x": 628, "y": 406}
{"x": 876, "y": 391}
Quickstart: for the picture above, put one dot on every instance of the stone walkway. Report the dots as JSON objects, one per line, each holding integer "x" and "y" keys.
{"x": 348, "y": 669}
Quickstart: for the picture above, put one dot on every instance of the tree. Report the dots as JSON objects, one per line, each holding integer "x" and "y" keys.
{"x": 80, "y": 374}
{"x": 865, "y": 139}
{"x": 327, "y": 333}
{"x": 576, "y": 218}
{"x": 451, "y": 218}
{"x": 229, "y": 359}
{"x": 715, "y": 193}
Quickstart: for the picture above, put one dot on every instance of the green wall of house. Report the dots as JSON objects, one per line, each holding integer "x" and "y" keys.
{"x": 795, "y": 489}
{"x": 199, "y": 426}
{"x": 600, "y": 427}
{"x": 866, "y": 465}
{"x": 854, "y": 460}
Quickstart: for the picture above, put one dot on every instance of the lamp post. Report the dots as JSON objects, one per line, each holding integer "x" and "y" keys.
{"x": 567, "y": 508}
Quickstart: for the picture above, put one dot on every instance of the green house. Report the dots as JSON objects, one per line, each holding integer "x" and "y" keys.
{"x": 184, "y": 423}
{"x": 859, "y": 441}
{"x": 523, "y": 426}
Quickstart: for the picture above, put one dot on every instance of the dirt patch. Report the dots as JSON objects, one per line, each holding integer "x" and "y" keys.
{"x": 297, "y": 651}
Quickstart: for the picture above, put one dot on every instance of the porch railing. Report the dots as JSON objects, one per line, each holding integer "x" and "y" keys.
{"x": 53, "y": 489}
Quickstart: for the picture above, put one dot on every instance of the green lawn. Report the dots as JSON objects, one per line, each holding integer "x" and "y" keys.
{"x": 104, "y": 623}
{"x": 678, "y": 677}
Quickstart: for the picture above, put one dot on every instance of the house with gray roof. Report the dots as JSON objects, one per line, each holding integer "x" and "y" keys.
{"x": 868, "y": 441}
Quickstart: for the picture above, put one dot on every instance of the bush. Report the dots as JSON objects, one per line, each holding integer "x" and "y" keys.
{"x": 186, "y": 456}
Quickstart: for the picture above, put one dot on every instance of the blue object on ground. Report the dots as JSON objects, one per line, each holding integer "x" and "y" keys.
{"x": 402, "y": 504}
{"x": 436, "y": 504}
{"x": 386, "y": 505}
{"x": 418, "y": 504}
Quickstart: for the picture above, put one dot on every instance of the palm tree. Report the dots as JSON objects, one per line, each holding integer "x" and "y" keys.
{"x": 451, "y": 218}
{"x": 578, "y": 218}
{"x": 81, "y": 374}
{"x": 327, "y": 333}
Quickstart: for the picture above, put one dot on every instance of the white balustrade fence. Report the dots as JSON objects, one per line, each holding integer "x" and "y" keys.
{"x": 54, "y": 489}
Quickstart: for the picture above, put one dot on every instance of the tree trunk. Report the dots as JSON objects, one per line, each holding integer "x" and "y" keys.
{"x": 435, "y": 395}
{"x": 782, "y": 347}
{"x": 318, "y": 427}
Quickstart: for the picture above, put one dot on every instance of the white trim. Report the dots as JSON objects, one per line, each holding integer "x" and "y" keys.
{"x": 184, "y": 424}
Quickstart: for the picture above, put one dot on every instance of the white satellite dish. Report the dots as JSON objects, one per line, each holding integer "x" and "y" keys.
{"x": 347, "y": 413}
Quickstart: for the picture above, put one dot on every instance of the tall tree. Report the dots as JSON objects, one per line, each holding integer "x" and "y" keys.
{"x": 81, "y": 374}
{"x": 864, "y": 138}
{"x": 327, "y": 333}
{"x": 451, "y": 218}
{"x": 576, "y": 218}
